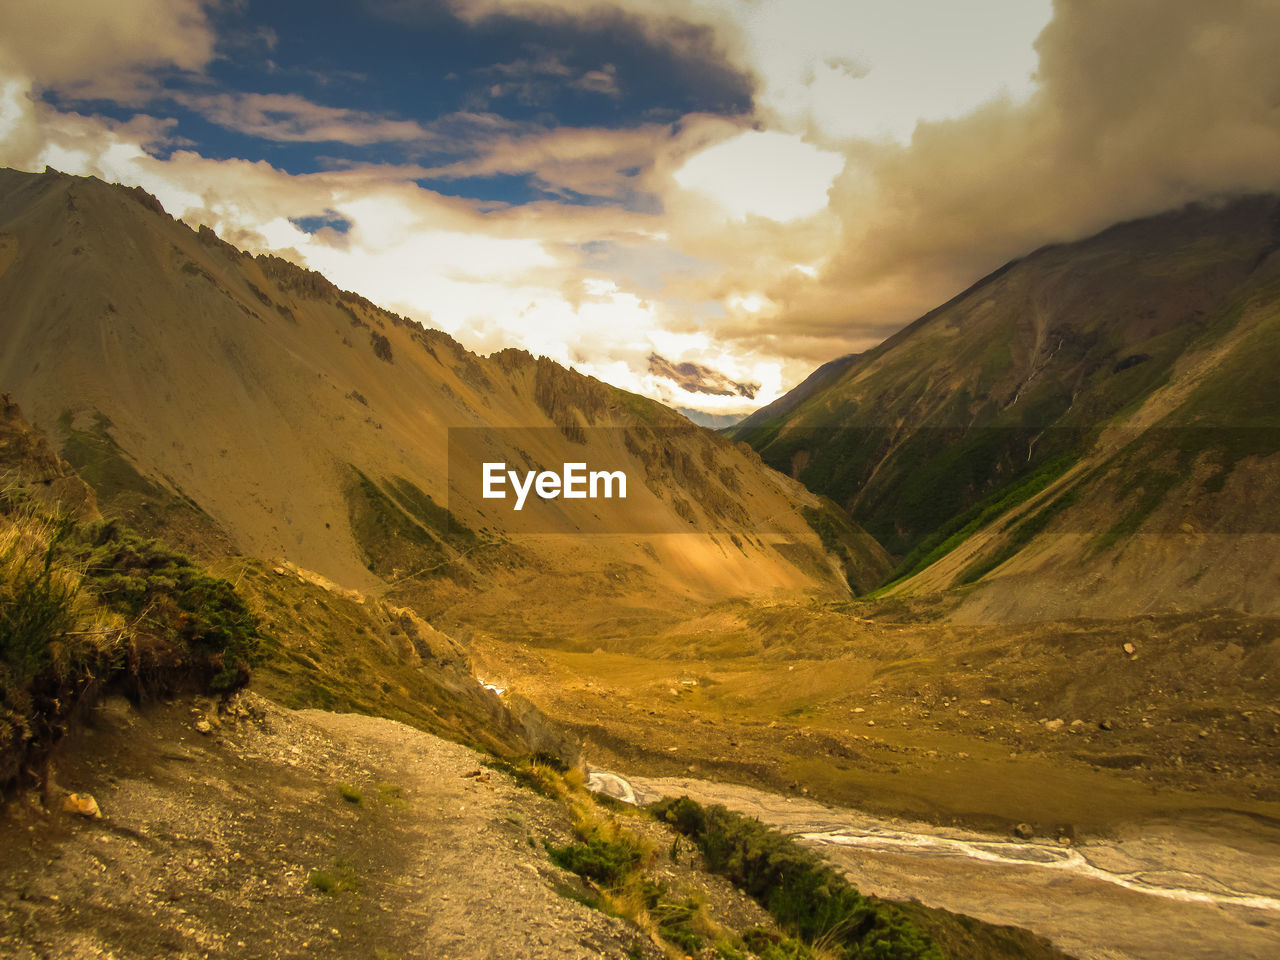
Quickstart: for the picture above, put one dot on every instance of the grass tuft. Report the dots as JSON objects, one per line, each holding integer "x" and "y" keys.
{"x": 350, "y": 794}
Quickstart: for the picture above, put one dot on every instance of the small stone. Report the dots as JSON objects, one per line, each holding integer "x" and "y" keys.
{"x": 985, "y": 703}
{"x": 83, "y": 805}
{"x": 1204, "y": 733}
{"x": 1064, "y": 841}
{"x": 1054, "y": 725}
{"x": 1024, "y": 831}
{"x": 871, "y": 723}
{"x": 859, "y": 709}
{"x": 278, "y": 571}
{"x": 1077, "y": 723}
{"x": 1106, "y": 725}
{"x": 1129, "y": 648}
{"x": 204, "y": 727}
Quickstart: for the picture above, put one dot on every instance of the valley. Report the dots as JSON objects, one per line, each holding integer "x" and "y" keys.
{"x": 998, "y": 586}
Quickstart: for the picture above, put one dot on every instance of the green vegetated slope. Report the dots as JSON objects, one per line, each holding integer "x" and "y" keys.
{"x": 243, "y": 405}
{"x": 1107, "y": 389}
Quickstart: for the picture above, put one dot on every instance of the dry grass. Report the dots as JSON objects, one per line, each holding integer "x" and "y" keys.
{"x": 46, "y": 618}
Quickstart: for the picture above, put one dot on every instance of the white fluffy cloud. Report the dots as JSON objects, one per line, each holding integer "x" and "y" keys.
{"x": 103, "y": 49}
{"x": 763, "y": 173}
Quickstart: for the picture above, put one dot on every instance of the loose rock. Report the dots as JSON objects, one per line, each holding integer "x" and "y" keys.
{"x": 83, "y": 805}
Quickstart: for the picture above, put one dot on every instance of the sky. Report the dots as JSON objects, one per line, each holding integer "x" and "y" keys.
{"x": 753, "y": 187}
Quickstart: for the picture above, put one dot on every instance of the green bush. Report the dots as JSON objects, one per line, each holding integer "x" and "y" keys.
{"x": 183, "y": 619}
{"x": 603, "y": 861}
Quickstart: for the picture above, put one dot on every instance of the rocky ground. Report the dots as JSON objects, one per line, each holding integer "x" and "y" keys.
{"x": 265, "y": 833}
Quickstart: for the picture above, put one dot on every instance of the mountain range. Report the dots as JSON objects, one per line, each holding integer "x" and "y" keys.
{"x": 244, "y": 405}
{"x": 1091, "y": 430}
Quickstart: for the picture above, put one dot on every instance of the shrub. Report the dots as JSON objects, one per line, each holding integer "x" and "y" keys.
{"x": 84, "y": 606}
{"x": 606, "y": 862}
{"x": 381, "y": 346}
{"x": 340, "y": 879}
{"x": 183, "y": 620}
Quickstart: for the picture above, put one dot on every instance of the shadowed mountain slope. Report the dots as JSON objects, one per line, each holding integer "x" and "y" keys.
{"x": 1090, "y": 429}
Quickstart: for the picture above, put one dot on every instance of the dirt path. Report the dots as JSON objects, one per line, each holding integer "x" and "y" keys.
{"x": 218, "y": 845}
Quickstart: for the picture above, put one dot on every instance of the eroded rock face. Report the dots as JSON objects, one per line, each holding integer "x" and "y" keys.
{"x": 30, "y": 469}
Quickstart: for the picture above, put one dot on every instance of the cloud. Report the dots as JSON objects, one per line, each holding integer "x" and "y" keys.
{"x": 603, "y": 81}
{"x": 104, "y": 50}
{"x": 763, "y": 173}
{"x": 589, "y": 161}
{"x": 1139, "y": 107}
{"x": 537, "y": 80}
{"x": 289, "y": 118}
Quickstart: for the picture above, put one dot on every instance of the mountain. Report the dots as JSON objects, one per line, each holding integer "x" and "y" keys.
{"x": 242, "y": 405}
{"x": 716, "y": 421}
{"x": 1090, "y": 430}
{"x": 696, "y": 378}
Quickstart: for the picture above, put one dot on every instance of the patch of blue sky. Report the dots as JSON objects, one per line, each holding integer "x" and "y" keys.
{"x": 330, "y": 220}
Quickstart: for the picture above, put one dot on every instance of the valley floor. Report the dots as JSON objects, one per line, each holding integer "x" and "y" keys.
{"x": 1057, "y": 725}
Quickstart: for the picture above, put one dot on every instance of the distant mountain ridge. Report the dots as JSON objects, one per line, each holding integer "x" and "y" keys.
{"x": 715, "y": 421}
{"x": 1066, "y": 419}
{"x": 697, "y": 378}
